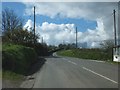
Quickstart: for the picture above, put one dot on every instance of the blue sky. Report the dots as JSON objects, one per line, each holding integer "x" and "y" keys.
{"x": 52, "y": 18}
{"x": 19, "y": 9}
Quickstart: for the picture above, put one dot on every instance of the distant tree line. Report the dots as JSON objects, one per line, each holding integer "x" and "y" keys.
{"x": 67, "y": 46}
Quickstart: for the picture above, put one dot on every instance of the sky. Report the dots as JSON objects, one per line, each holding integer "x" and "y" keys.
{"x": 56, "y": 22}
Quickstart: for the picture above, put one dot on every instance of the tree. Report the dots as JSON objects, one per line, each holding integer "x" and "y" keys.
{"x": 108, "y": 44}
{"x": 12, "y": 27}
{"x": 13, "y": 32}
{"x": 10, "y": 21}
{"x": 20, "y": 37}
{"x": 67, "y": 46}
{"x": 107, "y": 47}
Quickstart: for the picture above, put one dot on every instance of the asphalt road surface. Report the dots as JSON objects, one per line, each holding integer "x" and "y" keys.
{"x": 66, "y": 72}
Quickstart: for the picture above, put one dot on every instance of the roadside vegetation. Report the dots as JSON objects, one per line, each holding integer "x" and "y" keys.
{"x": 20, "y": 49}
{"x": 88, "y": 54}
{"x": 95, "y": 54}
{"x": 8, "y": 75}
{"x": 17, "y": 58}
{"x": 104, "y": 52}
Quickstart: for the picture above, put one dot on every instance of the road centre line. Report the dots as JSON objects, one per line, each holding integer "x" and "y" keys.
{"x": 95, "y": 72}
{"x": 100, "y": 75}
{"x": 72, "y": 62}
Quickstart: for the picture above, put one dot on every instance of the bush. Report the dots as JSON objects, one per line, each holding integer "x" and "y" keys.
{"x": 17, "y": 58}
{"x": 40, "y": 49}
{"x": 96, "y": 54}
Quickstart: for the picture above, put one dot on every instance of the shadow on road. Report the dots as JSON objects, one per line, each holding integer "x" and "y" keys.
{"x": 35, "y": 67}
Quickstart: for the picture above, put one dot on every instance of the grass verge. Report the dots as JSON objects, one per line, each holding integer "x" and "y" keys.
{"x": 9, "y": 75}
{"x": 94, "y": 54}
{"x": 88, "y": 54}
{"x": 17, "y": 58}
{"x": 0, "y": 74}
{"x": 11, "y": 79}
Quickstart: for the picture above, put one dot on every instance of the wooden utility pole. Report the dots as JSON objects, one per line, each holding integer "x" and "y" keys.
{"x": 76, "y": 37}
{"x": 34, "y": 25}
{"x": 42, "y": 40}
{"x": 115, "y": 43}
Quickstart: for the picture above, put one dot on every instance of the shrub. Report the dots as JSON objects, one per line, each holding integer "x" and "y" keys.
{"x": 17, "y": 58}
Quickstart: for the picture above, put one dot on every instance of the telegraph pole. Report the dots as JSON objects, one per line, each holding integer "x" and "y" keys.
{"x": 76, "y": 37}
{"x": 42, "y": 40}
{"x": 115, "y": 29}
{"x": 34, "y": 25}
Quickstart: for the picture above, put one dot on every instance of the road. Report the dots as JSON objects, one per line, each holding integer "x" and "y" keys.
{"x": 66, "y": 72}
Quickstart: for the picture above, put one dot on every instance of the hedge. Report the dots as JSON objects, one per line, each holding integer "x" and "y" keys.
{"x": 17, "y": 58}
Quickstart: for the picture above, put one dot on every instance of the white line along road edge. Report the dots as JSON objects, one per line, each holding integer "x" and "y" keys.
{"x": 100, "y": 75}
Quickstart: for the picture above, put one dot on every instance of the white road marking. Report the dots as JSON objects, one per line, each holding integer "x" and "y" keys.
{"x": 64, "y": 59}
{"x": 96, "y": 61}
{"x": 68, "y": 61}
{"x": 46, "y": 62}
{"x": 72, "y": 62}
{"x": 100, "y": 75}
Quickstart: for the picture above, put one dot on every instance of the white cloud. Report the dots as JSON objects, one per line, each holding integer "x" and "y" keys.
{"x": 72, "y": 10}
{"x": 57, "y": 33}
{"x": 28, "y": 25}
{"x": 60, "y": 0}
{"x": 54, "y": 34}
{"x": 94, "y": 37}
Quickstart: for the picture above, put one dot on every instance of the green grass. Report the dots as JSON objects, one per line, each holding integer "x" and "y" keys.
{"x": 0, "y": 74}
{"x": 94, "y": 54}
{"x": 0, "y": 46}
{"x": 11, "y": 75}
{"x": 112, "y": 62}
{"x": 66, "y": 53}
{"x": 17, "y": 58}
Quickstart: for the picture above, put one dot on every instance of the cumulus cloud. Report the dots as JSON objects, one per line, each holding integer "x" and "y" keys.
{"x": 95, "y": 37}
{"x": 86, "y": 10}
{"x": 56, "y": 33}
{"x": 28, "y": 25}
